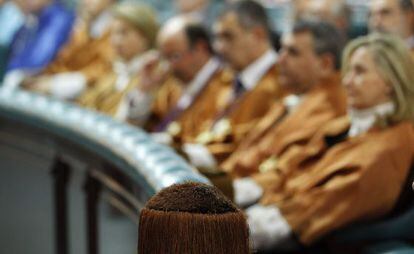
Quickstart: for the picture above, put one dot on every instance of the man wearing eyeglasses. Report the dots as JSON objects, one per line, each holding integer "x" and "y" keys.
{"x": 183, "y": 87}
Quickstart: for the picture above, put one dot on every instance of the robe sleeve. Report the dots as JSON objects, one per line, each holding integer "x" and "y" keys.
{"x": 346, "y": 194}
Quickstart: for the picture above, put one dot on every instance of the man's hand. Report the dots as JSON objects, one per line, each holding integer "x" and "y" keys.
{"x": 199, "y": 156}
{"x": 154, "y": 73}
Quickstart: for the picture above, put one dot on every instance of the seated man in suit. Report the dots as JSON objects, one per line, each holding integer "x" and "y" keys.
{"x": 242, "y": 39}
{"x": 309, "y": 65}
{"x": 191, "y": 93}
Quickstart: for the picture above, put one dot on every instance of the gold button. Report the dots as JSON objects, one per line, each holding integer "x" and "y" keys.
{"x": 174, "y": 128}
{"x": 222, "y": 128}
{"x": 205, "y": 137}
{"x": 268, "y": 165}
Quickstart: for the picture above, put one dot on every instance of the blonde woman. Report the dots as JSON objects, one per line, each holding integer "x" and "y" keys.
{"x": 133, "y": 34}
{"x": 354, "y": 169}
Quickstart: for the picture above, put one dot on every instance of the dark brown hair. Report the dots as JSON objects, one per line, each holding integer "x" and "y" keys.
{"x": 192, "y": 218}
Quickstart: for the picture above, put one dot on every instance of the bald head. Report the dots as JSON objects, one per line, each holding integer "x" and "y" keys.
{"x": 185, "y": 44}
{"x": 173, "y": 28}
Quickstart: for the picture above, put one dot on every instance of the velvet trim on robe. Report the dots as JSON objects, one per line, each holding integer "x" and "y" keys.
{"x": 200, "y": 115}
{"x": 278, "y": 130}
{"x": 104, "y": 97}
{"x": 165, "y": 98}
{"x": 249, "y": 109}
{"x": 91, "y": 56}
{"x": 321, "y": 187}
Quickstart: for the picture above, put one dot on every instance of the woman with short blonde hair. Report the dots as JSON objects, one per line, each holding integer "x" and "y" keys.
{"x": 395, "y": 65}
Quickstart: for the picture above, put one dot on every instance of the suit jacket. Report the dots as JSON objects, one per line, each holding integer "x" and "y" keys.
{"x": 323, "y": 186}
{"x": 278, "y": 130}
{"x": 247, "y": 111}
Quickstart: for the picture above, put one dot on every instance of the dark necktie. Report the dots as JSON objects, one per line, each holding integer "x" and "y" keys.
{"x": 238, "y": 88}
{"x": 171, "y": 116}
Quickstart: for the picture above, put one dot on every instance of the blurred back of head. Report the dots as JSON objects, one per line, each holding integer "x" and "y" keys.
{"x": 192, "y": 218}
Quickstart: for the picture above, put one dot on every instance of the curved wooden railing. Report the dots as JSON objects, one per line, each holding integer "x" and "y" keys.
{"x": 120, "y": 158}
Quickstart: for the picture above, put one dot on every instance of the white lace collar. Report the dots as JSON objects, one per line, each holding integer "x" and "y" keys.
{"x": 363, "y": 120}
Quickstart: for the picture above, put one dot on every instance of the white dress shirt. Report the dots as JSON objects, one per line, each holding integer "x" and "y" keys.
{"x": 254, "y": 72}
{"x": 198, "y": 83}
{"x": 249, "y": 77}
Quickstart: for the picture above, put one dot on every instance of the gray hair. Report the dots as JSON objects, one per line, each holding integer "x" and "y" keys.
{"x": 326, "y": 38}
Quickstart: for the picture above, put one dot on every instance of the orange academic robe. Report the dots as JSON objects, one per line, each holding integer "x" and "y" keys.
{"x": 278, "y": 130}
{"x": 104, "y": 96}
{"x": 198, "y": 117}
{"x": 165, "y": 98}
{"x": 91, "y": 56}
{"x": 322, "y": 187}
{"x": 244, "y": 114}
